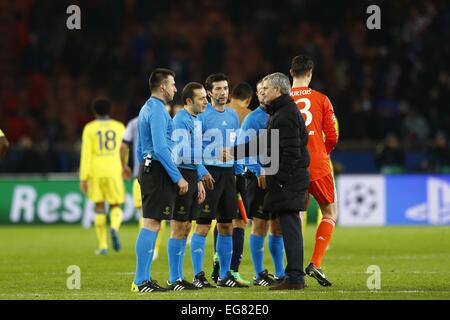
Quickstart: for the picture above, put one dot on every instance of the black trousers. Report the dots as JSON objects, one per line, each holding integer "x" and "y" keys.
{"x": 293, "y": 244}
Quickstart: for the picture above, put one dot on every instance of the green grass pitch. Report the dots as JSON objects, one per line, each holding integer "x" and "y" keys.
{"x": 414, "y": 263}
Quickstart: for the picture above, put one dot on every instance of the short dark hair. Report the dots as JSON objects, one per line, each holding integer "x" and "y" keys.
{"x": 101, "y": 106}
{"x": 158, "y": 76}
{"x": 301, "y": 64}
{"x": 188, "y": 90}
{"x": 242, "y": 91}
{"x": 215, "y": 77}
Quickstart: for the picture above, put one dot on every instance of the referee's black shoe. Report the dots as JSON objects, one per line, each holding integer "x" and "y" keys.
{"x": 147, "y": 286}
{"x": 216, "y": 268}
{"x": 264, "y": 279}
{"x": 279, "y": 279}
{"x": 230, "y": 281}
{"x": 317, "y": 274}
{"x": 201, "y": 282}
{"x": 181, "y": 284}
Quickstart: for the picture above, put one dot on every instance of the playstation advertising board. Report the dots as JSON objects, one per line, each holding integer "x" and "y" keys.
{"x": 363, "y": 200}
{"x": 377, "y": 200}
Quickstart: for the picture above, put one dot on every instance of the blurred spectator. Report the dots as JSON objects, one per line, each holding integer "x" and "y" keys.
{"x": 390, "y": 156}
{"x": 48, "y": 74}
{"x": 438, "y": 155}
{"x": 415, "y": 128}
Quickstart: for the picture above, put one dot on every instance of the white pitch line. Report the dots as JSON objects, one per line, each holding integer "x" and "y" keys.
{"x": 393, "y": 257}
{"x": 403, "y": 272}
{"x": 62, "y": 273}
{"x": 156, "y": 273}
{"x": 385, "y": 291}
{"x": 231, "y": 292}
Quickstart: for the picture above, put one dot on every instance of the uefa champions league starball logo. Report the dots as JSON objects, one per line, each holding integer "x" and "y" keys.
{"x": 361, "y": 200}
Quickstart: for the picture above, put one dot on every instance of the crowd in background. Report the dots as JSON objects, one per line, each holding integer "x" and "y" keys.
{"x": 388, "y": 84}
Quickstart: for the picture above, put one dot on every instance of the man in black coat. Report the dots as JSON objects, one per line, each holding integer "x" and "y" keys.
{"x": 287, "y": 193}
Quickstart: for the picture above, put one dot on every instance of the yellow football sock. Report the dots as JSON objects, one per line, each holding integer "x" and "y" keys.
{"x": 116, "y": 218}
{"x": 160, "y": 236}
{"x": 193, "y": 225}
{"x": 100, "y": 230}
{"x": 141, "y": 219}
{"x": 213, "y": 224}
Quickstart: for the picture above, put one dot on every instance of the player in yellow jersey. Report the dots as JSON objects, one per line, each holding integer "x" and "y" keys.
{"x": 3, "y": 144}
{"x": 101, "y": 171}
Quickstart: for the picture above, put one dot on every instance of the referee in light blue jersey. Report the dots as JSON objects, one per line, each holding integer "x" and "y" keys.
{"x": 188, "y": 137}
{"x": 219, "y": 125}
{"x": 158, "y": 174}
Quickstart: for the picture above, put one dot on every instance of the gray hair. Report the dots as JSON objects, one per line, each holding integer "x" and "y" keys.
{"x": 279, "y": 80}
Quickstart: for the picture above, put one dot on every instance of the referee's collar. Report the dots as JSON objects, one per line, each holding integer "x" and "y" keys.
{"x": 153, "y": 97}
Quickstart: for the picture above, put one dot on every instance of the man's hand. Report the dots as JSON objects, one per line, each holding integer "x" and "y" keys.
{"x": 262, "y": 182}
{"x": 183, "y": 185}
{"x": 208, "y": 181}
{"x": 201, "y": 193}
{"x": 126, "y": 172}
{"x": 225, "y": 154}
{"x": 83, "y": 186}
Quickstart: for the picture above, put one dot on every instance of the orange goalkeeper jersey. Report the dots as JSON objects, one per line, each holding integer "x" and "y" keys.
{"x": 318, "y": 113}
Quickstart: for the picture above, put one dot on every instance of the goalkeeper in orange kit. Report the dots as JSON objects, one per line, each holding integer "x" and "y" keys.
{"x": 318, "y": 113}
